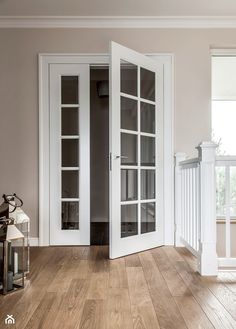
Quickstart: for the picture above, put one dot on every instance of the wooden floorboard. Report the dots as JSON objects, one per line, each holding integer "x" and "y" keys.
{"x": 80, "y": 288}
{"x": 164, "y": 304}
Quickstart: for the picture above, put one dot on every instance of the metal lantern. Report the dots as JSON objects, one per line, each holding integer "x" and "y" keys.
{"x": 11, "y": 208}
{"x": 12, "y": 258}
{"x": 22, "y": 222}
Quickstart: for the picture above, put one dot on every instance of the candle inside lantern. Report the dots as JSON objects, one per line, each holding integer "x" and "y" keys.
{"x": 15, "y": 263}
{"x": 9, "y": 280}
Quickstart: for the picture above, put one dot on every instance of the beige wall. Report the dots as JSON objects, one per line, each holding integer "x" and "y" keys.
{"x": 19, "y": 90}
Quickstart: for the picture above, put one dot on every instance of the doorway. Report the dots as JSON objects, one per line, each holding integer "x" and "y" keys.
{"x": 86, "y": 63}
{"x": 99, "y": 155}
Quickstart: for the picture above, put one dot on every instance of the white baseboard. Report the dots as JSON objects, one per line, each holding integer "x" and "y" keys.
{"x": 34, "y": 242}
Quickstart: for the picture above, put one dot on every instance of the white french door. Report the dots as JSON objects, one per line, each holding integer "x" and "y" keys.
{"x": 136, "y": 152}
{"x": 69, "y": 154}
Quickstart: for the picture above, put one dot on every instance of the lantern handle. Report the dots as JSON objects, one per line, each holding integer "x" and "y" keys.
{"x": 8, "y": 199}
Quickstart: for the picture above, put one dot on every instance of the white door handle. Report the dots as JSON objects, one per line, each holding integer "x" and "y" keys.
{"x": 121, "y": 157}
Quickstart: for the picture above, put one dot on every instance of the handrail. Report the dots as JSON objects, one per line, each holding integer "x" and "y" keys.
{"x": 195, "y": 215}
{"x": 190, "y": 163}
{"x": 225, "y": 160}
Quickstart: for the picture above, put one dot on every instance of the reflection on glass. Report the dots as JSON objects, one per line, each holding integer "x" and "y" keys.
{"x": 220, "y": 191}
{"x": 147, "y": 151}
{"x": 129, "y": 149}
{"x": 69, "y": 90}
{"x": 128, "y": 78}
{"x": 220, "y": 245}
{"x": 69, "y": 215}
{"x": 129, "y": 220}
{"x": 128, "y": 113}
{"x": 69, "y": 121}
{"x": 147, "y": 84}
{"x": 233, "y": 239}
{"x": 233, "y": 192}
{"x": 147, "y": 184}
{"x": 70, "y": 153}
{"x": 147, "y": 118}
{"x": 129, "y": 185}
{"x": 233, "y": 211}
{"x": 148, "y": 222}
{"x": 70, "y": 184}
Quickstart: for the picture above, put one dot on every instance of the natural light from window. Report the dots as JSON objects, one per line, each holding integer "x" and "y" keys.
{"x": 224, "y": 126}
{"x": 224, "y": 104}
{"x": 224, "y": 131}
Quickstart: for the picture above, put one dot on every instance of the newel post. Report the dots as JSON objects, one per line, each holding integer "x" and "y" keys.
{"x": 207, "y": 259}
{"x": 178, "y": 197}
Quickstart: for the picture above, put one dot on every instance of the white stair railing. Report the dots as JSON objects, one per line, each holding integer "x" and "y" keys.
{"x": 195, "y": 206}
{"x": 188, "y": 203}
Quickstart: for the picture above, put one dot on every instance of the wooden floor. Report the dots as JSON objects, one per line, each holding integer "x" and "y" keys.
{"x": 78, "y": 287}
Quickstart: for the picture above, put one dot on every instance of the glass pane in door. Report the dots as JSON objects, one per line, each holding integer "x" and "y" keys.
{"x": 70, "y": 184}
{"x": 70, "y": 153}
{"x": 147, "y": 151}
{"x": 147, "y": 118}
{"x": 129, "y": 220}
{"x": 129, "y": 149}
{"x": 129, "y": 114}
{"x": 148, "y": 220}
{"x": 147, "y": 84}
{"x": 69, "y": 121}
{"x": 69, "y": 89}
{"x": 70, "y": 215}
{"x": 147, "y": 184}
{"x": 129, "y": 184}
{"x": 129, "y": 78}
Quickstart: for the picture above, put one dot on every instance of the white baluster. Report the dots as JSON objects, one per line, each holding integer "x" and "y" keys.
{"x": 190, "y": 206}
{"x": 197, "y": 207}
{"x": 179, "y": 192}
{"x": 193, "y": 209}
{"x": 185, "y": 204}
{"x": 182, "y": 214}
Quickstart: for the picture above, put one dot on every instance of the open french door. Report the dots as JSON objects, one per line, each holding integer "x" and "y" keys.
{"x": 136, "y": 152}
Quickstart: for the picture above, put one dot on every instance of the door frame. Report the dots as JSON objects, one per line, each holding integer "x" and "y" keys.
{"x": 44, "y": 61}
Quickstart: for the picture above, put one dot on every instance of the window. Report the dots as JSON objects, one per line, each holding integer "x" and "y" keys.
{"x": 224, "y": 131}
{"x": 224, "y": 103}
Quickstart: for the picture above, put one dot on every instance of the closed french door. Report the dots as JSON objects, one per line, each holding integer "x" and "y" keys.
{"x": 136, "y": 157}
{"x": 69, "y": 155}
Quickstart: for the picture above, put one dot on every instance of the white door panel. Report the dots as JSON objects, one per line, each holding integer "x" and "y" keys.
{"x": 69, "y": 154}
{"x": 136, "y": 152}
